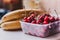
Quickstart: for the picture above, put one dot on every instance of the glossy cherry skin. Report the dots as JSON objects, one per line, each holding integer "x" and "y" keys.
{"x": 25, "y": 18}
{"x": 52, "y": 19}
{"x": 57, "y": 19}
{"x": 46, "y": 18}
{"x": 32, "y": 15}
{"x": 34, "y": 22}
{"x": 45, "y": 22}
{"x": 38, "y": 21}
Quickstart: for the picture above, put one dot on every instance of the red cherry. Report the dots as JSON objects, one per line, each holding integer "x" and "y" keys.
{"x": 41, "y": 18}
{"x": 38, "y": 21}
{"x": 46, "y": 15}
{"x": 52, "y": 19}
{"x": 45, "y": 22}
{"x": 34, "y": 22}
{"x": 29, "y": 18}
{"x": 25, "y": 18}
{"x": 57, "y": 19}
{"x": 32, "y": 15}
{"x": 46, "y": 18}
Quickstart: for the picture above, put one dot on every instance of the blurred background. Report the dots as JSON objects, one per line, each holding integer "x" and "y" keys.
{"x": 9, "y": 5}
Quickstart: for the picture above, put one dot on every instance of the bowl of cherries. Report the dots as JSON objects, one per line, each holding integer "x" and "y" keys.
{"x": 41, "y": 25}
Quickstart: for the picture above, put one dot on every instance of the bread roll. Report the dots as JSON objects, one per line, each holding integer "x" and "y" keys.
{"x": 10, "y": 21}
{"x": 18, "y": 14}
{"x": 13, "y": 25}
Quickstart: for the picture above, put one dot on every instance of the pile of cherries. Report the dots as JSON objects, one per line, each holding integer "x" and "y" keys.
{"x": 40, "y": 19}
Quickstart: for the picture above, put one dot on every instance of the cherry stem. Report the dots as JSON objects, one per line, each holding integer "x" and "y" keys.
{"x": 49, "y": 11}
{"x": 25, "y": 13}
{"x": 30, "y": 12}
{"x": 35, "y": 13}
{"x": 56, "y": 13}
